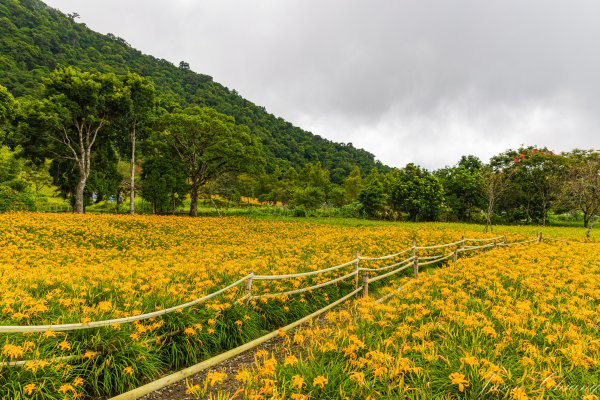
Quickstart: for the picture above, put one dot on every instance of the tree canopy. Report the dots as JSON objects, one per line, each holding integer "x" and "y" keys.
{"x": 208, "y": 145}
{"x": 70, "y": 120}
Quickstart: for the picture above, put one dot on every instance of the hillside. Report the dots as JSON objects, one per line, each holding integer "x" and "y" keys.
{"x": 35, "y": 38}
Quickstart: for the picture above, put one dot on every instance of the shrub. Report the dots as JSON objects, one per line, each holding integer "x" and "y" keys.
{"x": 11, "y": 200}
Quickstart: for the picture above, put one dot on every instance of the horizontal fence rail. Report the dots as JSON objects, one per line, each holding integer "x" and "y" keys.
{"x": 415, "y": 261}
{"x": 303, "y": 274}
{"x": 306, "y": 289}
{"x": 117, "y": 321}
{"x": 402, "y": 265}
{"x": 252, "y": 277}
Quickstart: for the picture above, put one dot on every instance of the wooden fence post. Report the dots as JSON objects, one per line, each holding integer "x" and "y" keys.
{"x": 455, "y": 255}
{"x": 540, "y": 238}
{"x": 495, "y": 244}
{"x": 365, "y": 277}
{"x": 462, "y": 242}
{"x": 416, "y": 267}
{"x": 249, "y": 286}
{"x": 356, "y": 278}
{"x": 414, "y": 252}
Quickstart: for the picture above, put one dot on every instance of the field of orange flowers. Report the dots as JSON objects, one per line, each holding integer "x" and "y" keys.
{"x": 514, "y": 323}
{"x": 60, "y": 269}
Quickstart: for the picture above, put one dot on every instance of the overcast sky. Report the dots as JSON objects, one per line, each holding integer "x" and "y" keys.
{"x": 418, "y": 81}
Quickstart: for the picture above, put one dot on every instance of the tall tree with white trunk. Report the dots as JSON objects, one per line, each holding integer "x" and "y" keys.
{"x": 72, "y": 117}
{"x": 139, "y": 99}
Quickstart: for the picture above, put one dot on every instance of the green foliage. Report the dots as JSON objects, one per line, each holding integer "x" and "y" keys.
{"x": 7, "y": 112}
{"x": 309, "y": 198}
{"x": 373, "y": 196}
{"x": 7, "y": 105}
{"x": 140, "y": 102}
{"x": 137, "y": 115}
{"x": 103, "y": 181}
{"x": 353, "y": 184}
{"x": 337, "y": 196}
{"x": 69, "y": 123}
{"x": 163, "y": 183}
{"x": 12, "y": 200}
{"x": 37, "y": 175}
{"x": 209, "y": 144}
{"x": 580, "y": 189}
{"x": 533, "y": 183}
{"x": 463, "y": 188}
{"x": 10, "y": 170}
{"x": 417, "y": 193}
{"x": 35, "y": 39}
{"x": 314, "y": 175}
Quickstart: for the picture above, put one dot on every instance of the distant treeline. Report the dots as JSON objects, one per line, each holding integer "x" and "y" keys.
{"x": 85, "y": 122}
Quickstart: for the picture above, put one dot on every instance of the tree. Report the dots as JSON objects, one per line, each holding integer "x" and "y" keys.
{"x": 7, "y": 112}
{"x": 163, "y": 182}
{"x": 314, "y": 186}
{"x": 209, "y": 144}
{"x": 353, "y": 184}
{"x": 70, "y": 121}
{"x": 309, "y": 197}
{"x": 280, "y": 185}
{"x": 11, "y": 168}
{"x": 103, "y": 181}
{"x": 533, "y": 182}
{"x": 463, "y": 187}
{"x": 417, "y": 192}
{"x": 337, "y": 196}
{"x": 372, "y": 196}
{"x": 495, "y": 183}
{"x": 139, "y": 104}
{"x": 315, "y": 176}
{"x": 581, "y": 187}
{"x": 37, "y": 175}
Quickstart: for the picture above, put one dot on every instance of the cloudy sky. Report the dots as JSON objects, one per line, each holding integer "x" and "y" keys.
{"x": 422, "y": 81}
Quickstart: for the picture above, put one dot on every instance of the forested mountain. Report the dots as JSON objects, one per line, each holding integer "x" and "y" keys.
{"x": 35, "y": 39}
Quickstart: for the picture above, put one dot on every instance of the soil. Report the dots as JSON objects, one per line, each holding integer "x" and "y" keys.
{"x": 177, "y": 391}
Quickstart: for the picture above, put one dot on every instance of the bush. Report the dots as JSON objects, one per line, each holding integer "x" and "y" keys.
{"x": 11, "y": 200}
{"x": 299, "y": 211}
{"x": 352, "y": 210}
{"x": 310, "y": 198}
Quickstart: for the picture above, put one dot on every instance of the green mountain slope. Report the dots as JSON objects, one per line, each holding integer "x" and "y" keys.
{"x": 35, "y": 38}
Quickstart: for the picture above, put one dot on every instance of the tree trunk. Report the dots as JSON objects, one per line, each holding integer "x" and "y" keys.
{"x": 544, "y": 213}
{"x": 194, "y": 200}
{"x": 79, "y": 193}
{"x": 488, "y": 216}
{"x": 132, "y": 177}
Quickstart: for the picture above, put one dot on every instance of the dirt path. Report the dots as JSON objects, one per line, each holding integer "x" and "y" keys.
{"x": 177, "y": 391}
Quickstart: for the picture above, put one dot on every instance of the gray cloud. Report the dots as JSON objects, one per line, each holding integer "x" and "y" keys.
{"x": 411, "y": 81}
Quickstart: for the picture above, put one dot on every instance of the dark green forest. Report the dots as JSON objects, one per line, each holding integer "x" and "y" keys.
{"x": 35, "y": 39}
{"x": 90, "y": 116}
